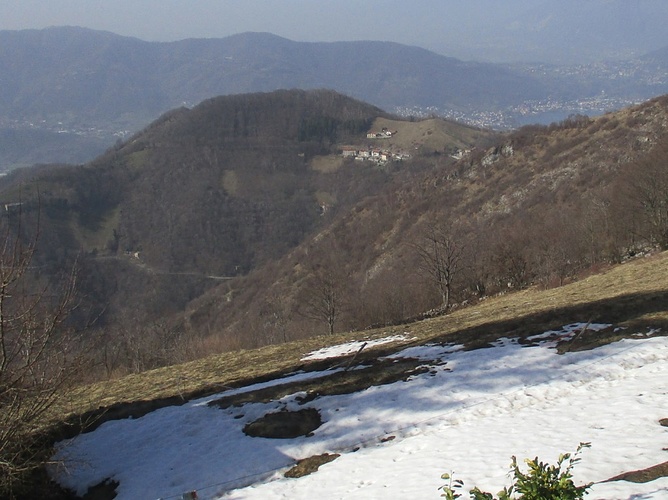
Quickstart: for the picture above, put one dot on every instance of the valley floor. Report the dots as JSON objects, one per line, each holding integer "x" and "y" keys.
{"x": 468, "y": 413}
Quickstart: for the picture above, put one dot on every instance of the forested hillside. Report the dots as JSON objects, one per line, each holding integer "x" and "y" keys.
{"x": 240, "y": 223}
{"x": 545, "y": 206}
{"x": 203, "y": 196}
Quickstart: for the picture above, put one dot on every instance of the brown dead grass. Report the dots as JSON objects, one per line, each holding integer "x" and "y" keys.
{"x": 326, "y": 164}
{"x": 634, "y": 295}
{"x": 432, "y": 134}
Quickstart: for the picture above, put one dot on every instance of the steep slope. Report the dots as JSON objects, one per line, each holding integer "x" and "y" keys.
{"x": 451, "y": 353}
{"x": 539, "y": 208}
{"x": 203, "y": 195}
{"x": 237, "y": 220}
{"x": 230, "y": 173}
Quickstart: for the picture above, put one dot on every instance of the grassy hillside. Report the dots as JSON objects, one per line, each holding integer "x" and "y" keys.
{"x": 429, "y": 135}
{"x": 632, "y": 296}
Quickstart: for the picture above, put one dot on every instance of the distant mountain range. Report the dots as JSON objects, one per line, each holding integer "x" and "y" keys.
{"x": 51, "y": 74}
{"x": 96, "y": 85}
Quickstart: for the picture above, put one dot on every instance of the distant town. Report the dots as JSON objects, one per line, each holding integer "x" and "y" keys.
{"x": 540, "y": 112}
{"x": 638, "y": 72}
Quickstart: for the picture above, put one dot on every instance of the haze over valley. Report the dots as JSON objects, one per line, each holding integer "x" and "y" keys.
{"x": 68, "y": 93}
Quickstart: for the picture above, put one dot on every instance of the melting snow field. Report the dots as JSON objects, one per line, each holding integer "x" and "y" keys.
{"x": 351, "y": 347}
{"x": 469, "y": 414}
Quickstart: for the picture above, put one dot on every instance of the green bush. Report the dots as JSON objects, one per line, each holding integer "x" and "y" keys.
{"x": 541, "y": 482}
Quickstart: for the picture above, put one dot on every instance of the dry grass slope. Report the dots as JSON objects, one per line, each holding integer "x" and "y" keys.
{"x": 632, "y": 295}
{"x": 432, "y": 134}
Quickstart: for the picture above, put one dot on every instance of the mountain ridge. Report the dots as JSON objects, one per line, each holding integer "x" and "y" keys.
{"x": 76, "y": 81}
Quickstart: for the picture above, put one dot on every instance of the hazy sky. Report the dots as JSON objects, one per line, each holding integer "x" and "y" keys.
{"x": 162, "y": 20}
{"x": 476, "y": 29}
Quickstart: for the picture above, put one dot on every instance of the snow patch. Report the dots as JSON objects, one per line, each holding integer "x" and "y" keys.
{"x": 352, "y": 347}
{"x": 397, "y": 439}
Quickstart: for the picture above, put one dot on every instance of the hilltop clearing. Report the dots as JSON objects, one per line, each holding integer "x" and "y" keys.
{"x": 430, "y": 135}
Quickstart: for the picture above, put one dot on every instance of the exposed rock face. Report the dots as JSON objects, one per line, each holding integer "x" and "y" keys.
{"x": 496, "y": 153}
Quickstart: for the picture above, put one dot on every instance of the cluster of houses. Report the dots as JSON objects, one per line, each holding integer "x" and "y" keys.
{"x": 373, "y": 154}
{"x": 378, "y": 155}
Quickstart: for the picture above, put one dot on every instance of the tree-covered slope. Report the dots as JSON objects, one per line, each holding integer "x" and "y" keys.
{"x": 542, "y": 207}
{"x": 202, "y": 194}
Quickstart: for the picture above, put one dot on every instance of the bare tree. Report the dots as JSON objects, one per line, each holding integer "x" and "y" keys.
{"x": 512, "y": 265}
{"x": 649, "y": 191}
{"x": 275, "y": 317}
{"x": 440, "y": 253}
{"x": 134, "y": 347}
{"x": 558, "y": 246}
{"x": 476, "y": 264}
{"x": 323, "y": 296}
{"x": 37, "y": 360}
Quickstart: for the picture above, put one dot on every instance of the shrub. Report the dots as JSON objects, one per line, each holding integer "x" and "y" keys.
{"x": 541, "y": 482}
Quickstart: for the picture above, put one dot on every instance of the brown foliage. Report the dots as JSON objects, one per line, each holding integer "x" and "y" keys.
{"x": 227, "y": 190}
{"x": 38, "y": 357}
